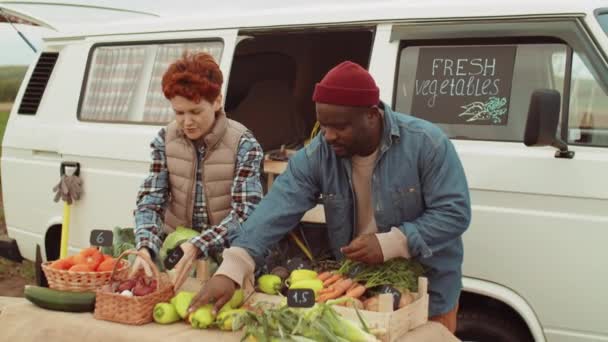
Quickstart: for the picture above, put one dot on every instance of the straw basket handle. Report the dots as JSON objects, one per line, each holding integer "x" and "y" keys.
{"x": 145, "y": 258}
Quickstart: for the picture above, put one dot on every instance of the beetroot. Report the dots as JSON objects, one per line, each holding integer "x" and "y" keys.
{"x": 126, "y": 285}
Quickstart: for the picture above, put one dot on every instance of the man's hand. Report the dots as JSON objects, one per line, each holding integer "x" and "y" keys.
{"x": 184, "y": 265}
{"x": 364, "y": 248}
{"x": 219, "y": 289}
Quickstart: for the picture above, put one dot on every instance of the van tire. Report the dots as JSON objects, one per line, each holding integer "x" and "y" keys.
{"x": 52, "y": 242}
{"x": 483, "y": 325}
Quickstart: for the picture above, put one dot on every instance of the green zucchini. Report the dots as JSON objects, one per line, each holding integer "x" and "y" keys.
{"x": 60, "y": 300}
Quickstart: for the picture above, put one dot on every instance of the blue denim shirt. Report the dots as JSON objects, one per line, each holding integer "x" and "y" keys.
{"x": 418, "y": 185}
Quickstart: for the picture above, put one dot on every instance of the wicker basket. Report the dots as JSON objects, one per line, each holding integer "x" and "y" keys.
{"x": 134, "y": 310}
{"x": 80, "y": 281}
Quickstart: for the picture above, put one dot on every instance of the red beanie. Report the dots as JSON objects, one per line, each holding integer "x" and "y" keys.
{"x": 347, "y": 84}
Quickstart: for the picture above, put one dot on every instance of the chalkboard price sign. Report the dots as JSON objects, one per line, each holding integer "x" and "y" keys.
{"x": 300, "y": 298}
{"x": 464, "y": 84}
{"x": 100, "y": 237}
{"x": 393, "y": 291}
{"x": 173, "y": 257}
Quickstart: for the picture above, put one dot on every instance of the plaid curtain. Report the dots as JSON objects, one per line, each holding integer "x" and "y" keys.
{"x": 117, "y": 71}
{"x": 112, "y": 79}
{"x": 157, "y": 108}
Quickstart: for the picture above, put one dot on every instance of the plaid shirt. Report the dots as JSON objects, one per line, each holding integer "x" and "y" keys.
{"x": 154, "y": 195}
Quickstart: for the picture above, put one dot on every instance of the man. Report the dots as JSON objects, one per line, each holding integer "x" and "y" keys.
{"x": 392, "y": 186}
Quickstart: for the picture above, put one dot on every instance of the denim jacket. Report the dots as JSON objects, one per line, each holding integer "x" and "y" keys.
{"x": 418, "y": 186}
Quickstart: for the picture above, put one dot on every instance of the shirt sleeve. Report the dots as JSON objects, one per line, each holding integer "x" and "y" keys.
{"x": 446, "y": 194}
{"x": 152, "y": 199}
{"x": 393, "y": 244}
{"x": 292, "y": 193}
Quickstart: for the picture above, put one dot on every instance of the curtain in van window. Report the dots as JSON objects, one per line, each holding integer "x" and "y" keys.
{"x": 157, "y": 109}
{"x": 111, "y": 83}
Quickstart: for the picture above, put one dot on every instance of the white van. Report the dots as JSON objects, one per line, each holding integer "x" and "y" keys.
{"x": 536, "y": 262}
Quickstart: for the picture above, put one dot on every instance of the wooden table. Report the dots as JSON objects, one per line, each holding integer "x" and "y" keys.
{"x": 24, "y": 322}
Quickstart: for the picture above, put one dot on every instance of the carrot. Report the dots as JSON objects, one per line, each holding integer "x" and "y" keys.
{"x": 324, "y": 276}
{"x": 342, "y": 286}
{"x": 332, "y": 280}
{"x": 336, "y": 290}
{"x": 325, "y": 297}
{"x": 326, "y": 290}
{"x": 355, "y": 284}
{"x": 356, "y": 292}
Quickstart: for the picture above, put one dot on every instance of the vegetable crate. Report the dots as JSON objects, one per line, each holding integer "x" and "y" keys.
{"x": 387, "y": 325}
{"x": 392, "y": 325}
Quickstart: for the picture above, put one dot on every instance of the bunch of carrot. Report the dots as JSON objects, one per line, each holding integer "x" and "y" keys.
{"x": 336, "y": 285}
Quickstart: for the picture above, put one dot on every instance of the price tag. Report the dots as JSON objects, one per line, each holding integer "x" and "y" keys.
{"x": 173, "y": 257}
{"x": 300, "y": 298}
{"x": 297, "y": 263}
{"x": 100, "y": 237}
{"x": 393, "y": 291}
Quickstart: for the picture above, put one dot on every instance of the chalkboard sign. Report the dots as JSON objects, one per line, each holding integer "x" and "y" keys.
{"x": 173, "y": 257}
{"x": 393, "y": 291}
{"x": 464, "y": 84}
{"x": 297, "y": 263}
{"x": 100, "y": 237}
{"x": 300, "y": 298}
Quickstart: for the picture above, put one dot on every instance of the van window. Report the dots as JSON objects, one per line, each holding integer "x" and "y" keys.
{"x": 602, "y": 19}
{"x": 123, "y": 82}
{"x": 479, "y": 92}
{"x": 588, "y": 109}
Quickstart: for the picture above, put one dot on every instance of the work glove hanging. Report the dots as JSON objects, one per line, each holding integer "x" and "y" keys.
{"x": 69, "y": 189}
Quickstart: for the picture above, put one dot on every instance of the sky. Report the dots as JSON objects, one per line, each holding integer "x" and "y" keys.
{"x": 13, "y": 50}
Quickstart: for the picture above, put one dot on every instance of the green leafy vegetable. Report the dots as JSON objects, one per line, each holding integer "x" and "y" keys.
{"x": 400, "y": 273}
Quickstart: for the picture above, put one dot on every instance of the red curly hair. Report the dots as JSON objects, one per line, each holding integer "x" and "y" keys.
{"x": 194, "y": 76}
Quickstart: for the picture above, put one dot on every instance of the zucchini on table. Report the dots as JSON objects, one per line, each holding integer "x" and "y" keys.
{"x": 60, "y": 300}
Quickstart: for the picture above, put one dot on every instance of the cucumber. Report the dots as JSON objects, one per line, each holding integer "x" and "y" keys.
{"x": 60, "y": 300}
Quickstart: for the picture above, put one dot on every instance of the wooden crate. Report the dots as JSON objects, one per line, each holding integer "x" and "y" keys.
{"x": 388, "y": 325}
{"x": 394, "y": 324}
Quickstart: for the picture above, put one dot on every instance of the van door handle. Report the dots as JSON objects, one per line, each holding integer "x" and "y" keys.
{"x": 69, "y": 164}
{"x": 45, "y": 154}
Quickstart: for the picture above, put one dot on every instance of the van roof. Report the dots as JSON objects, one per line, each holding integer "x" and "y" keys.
{"x": 276, "y": 13}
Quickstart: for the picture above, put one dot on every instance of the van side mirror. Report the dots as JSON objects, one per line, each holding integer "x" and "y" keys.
{"x": 543, "y": 118}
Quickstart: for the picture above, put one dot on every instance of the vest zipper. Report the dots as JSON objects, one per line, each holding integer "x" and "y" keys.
{"x": 193, "y": 191}
{"x": 207, "y": 152}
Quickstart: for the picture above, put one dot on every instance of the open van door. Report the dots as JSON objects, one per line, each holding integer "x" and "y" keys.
{"x": 100, "y": 105}
{"x": 63, "y": 16}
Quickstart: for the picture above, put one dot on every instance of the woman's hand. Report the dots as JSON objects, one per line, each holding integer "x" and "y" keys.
{"x": 184, "y": 266}
{"x": 140, "y": 264}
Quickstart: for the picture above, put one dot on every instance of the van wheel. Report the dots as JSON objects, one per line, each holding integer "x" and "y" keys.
{"x": 52, "y": 242}
{"x": 477, "y": 324}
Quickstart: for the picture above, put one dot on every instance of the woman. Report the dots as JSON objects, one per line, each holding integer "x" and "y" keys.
{"x": 205, "y": 171}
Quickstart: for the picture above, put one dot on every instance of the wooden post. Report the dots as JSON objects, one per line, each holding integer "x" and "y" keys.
{"x": 385, "y": 302}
